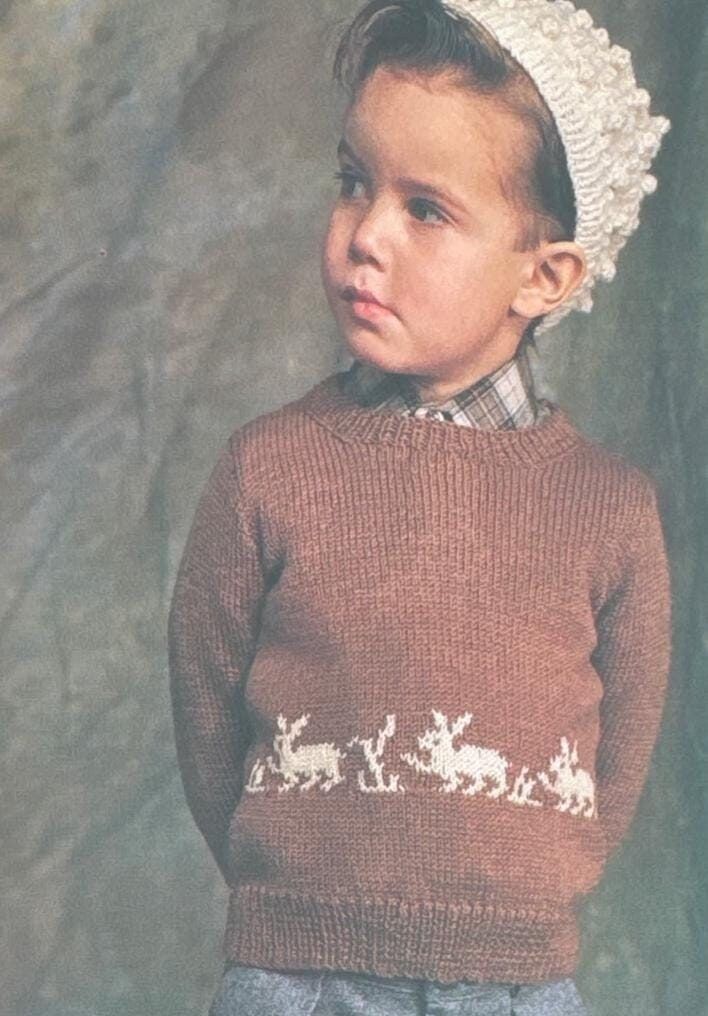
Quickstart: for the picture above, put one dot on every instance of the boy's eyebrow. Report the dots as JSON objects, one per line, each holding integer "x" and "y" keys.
{"x": 343, "y": 148}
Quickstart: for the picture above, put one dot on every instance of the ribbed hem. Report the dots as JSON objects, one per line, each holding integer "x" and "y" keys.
{"x": 396, "y": 938}
{"x": 333, "y": 407}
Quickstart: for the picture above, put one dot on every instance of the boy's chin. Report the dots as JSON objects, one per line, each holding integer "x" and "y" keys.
{"x": 373, "y": 350}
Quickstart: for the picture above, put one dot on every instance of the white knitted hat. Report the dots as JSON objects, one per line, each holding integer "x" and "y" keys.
{"x": 602, "y": 117}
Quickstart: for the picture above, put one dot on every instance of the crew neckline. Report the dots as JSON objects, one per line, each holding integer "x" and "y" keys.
{"x": 334, "y": 408}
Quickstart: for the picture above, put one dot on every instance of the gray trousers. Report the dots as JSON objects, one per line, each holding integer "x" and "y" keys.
{"x": 254, "y": 991}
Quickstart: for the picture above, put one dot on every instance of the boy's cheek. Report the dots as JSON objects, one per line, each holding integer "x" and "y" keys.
{"x": 325, "y": 266}
{"x": 332, "y": 258}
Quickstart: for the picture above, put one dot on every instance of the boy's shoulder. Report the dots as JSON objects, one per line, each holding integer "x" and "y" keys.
{"x": 269, "y": 442}
{"x": 629, "y": 493}
{"x": 616, "y": 466}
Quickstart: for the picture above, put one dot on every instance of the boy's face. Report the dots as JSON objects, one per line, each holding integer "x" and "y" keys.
{"x": 443, "y": 265}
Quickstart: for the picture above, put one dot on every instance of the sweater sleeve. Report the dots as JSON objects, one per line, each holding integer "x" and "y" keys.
{"x": 632, "y": 657}
{"x": 212, "y": 630}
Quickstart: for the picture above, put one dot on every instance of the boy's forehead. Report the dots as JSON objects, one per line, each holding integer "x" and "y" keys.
{"x": 433, "y": 128}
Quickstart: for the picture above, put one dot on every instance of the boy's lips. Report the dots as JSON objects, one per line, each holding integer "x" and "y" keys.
{"x": 364, "y": 303}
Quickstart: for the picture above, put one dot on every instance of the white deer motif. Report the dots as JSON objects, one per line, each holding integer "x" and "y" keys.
{"x": 452, "y": 764}
{"x": 314, "y": 761}
{"x": 570, "y": 786}
{"x": 373, "y": 759}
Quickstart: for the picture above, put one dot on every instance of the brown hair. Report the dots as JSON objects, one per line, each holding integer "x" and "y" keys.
{"x": 422, "y": 36}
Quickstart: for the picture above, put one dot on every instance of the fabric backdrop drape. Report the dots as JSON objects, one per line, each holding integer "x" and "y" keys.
{"x": 166, "y": 171}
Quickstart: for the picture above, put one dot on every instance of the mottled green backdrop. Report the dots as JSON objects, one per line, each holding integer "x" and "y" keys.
{"x": 166, "y": 170}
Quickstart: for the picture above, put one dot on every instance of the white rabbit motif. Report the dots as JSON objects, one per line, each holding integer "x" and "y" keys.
{"x": 314, "y": 761}
{"x": 456, "y": 764}
{"x": 469, "y": 769}
{"x": 570, "y": 786}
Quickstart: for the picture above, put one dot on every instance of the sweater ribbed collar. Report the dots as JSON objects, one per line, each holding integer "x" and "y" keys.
{"x": 329, "y": 403}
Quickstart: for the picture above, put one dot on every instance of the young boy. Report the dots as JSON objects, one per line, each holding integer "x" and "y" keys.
{"x": 420, "y": 634}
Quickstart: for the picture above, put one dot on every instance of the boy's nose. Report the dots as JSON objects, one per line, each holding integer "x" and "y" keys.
{"x": 369, "y": 237}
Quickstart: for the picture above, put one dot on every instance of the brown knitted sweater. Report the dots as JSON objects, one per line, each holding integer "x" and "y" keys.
{"x": 417, "y": 672}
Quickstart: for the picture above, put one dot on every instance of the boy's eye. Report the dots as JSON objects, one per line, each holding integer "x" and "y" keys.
{"x": 427, "y": 208}
{"x": 347, "y": 179}
{"x": 420, "y": 207}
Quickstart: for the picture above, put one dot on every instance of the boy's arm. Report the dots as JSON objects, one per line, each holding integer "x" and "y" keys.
{"x": 212, "y": 629}
{"x": 632, "y": 657}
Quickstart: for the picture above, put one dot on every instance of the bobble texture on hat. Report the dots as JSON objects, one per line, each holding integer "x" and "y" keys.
{"x": 603, "y": 119}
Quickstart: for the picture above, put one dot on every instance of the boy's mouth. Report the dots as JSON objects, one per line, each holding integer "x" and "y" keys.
{"x": 369, "y": 310}
{"x": 364, "y": 302}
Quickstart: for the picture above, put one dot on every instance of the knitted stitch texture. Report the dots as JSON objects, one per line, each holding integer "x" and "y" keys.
{"x": 417, "y": 673}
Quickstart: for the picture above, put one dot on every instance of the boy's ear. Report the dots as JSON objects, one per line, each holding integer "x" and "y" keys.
{"x": 553, "y": 271}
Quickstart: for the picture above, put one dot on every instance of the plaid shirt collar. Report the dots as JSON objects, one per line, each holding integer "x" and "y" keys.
{"x": 503, "y": 400}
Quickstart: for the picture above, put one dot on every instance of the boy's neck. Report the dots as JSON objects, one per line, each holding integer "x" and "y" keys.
{"x": 433, "y": 391}
{"x": 436, "y": 392}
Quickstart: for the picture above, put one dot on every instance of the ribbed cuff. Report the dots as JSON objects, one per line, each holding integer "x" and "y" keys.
{"x": 396, "y": 938}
